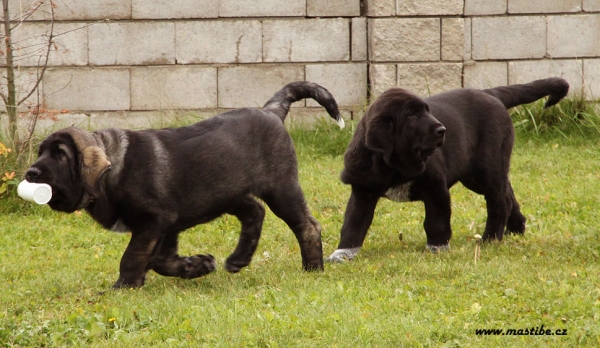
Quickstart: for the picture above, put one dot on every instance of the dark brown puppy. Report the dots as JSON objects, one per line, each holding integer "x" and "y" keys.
{"x": 157, "y": 183}
{"x": 397, "y": 153}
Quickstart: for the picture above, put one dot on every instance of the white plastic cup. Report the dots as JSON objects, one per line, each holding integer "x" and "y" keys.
{"x": 38, "y": 193}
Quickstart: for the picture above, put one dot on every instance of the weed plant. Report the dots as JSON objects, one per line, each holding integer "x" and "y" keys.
{"x": 571, "y": 118}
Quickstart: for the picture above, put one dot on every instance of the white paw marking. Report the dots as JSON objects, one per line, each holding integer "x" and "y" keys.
{"x": 341, "y": 255}
{"x": 434, "y": 249}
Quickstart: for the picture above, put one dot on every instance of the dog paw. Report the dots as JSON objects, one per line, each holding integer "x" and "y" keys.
{"x": 123, "y": 283}
{"x": 435, "y": 249}
{"x": 343, "y": 255}
{"x": 233, "y": 266}
{"x": 197, "y": 266}
{"x": 313, "y": 267}
{"x": 515, "y": 228}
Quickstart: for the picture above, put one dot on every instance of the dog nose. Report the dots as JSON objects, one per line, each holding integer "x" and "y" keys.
{"x": 440, "y": 131}
{"x": 32, "y": 173}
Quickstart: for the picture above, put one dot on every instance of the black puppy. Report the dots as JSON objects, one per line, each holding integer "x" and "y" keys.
{"x": 397, "y": 152}
{"x": 157, "y": 183}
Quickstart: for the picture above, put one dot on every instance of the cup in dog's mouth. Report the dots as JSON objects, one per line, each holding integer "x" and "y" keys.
{"x": 34, "y": 192}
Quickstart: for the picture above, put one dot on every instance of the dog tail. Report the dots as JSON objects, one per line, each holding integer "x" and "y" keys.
{"x": 513, "y": 95}
{"x": 280, "y": 103}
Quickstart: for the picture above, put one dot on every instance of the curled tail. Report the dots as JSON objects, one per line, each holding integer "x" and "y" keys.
{"x": 280, "y": 103}
{"x": 513, "y": 95}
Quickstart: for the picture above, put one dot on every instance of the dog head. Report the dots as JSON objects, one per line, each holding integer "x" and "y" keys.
{"x": 400, "y": 126}
{"x": 71, "y": 161}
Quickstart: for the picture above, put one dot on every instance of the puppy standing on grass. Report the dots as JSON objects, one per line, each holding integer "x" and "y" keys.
{"x": 397, "y": 153}
{"x": 157, "y": 183}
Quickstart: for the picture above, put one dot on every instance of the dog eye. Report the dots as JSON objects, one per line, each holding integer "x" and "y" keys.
{"x": 61, "y": 155}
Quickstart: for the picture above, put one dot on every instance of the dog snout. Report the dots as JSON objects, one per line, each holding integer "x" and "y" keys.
{"x": 440, "y": 131}
{"x": 32, "y": 173}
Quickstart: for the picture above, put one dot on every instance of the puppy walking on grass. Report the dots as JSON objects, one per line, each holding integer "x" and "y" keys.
{"x": 407, "y": 148}
{"x": 158, "y": 183}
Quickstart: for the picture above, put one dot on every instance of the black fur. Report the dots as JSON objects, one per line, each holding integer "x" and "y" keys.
{"x": 397, "y": 152}
{"x": 157, "y": 183}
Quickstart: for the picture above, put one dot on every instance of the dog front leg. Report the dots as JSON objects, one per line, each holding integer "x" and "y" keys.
{"x": 135, "y": 260}
{"x": 167, "y": 262}
{"x": 357, "y": 220}
{"x": 437, "y": 219}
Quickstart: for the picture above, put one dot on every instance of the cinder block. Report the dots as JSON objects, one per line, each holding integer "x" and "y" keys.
{"x": 306, "y": 40}
{"x": 482, "y": 75}
{"x": 69, "y": 45}
{"x": 429, "y": 7}
{"x": 485, "y": 7}
{"x": 92, "y": 9}
{"x": 359, "y": 39}
{"x": 347, "y": 82}
{"x": 49, "y": 121}
{"x": 527, "y": 71}
{"x": 591, "y": 78}
{"x": 118, "y": 119}
{"x": 383, "y": 77}
{"x": 25, "y": 81}
{"x": 509, "y": 37}
{"x": 72, "y": 9}
{"x": 453, "y": 39}
{"x": 404, "y": 39}
{"x": 543, "y": 6}
{"x": 262, "y": 8}
{"x": 158, "y": 9}
{"x": 173, "y": 87}
{"x": 591, "y": 5}
{"x": 427, "y": 79}
{"x": 328, "y": 8}
{"x": 380, "y": 8}
{"x": 254, "y": 85}
{"x": 87, "y": 89}
{"x": 147, "y": 119}
{"x": 574, "y": 36}
{"x": 138, "y": 43}
{"x": 18, "y": 9}
{"x": 224, "y": 41}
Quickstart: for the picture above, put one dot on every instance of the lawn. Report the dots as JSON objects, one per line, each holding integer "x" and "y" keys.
{"x": 57, "y": 269}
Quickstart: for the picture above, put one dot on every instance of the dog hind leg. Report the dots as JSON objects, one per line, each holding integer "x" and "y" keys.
{"x": 251, "y": 215}
{"x": 516, "y": 221}
{"x": 498, "y": 205}
{"x": 289, "y": 205}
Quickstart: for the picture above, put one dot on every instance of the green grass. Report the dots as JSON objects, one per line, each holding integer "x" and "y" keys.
{"x": 57, "y": 269}
{"x": 571, "y": 118}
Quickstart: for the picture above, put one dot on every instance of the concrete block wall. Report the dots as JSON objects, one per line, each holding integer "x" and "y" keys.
{"x": 431, "y": 46}
{"x": 131, "y": 61}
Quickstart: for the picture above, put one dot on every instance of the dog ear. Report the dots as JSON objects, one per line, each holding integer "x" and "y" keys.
{"x": 93, "y": 161}
{"x": 390, "y": 130}
{"x": 379, "y": 133}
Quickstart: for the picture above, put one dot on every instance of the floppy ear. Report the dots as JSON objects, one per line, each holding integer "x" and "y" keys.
{"x": 378, "y": 136}
{"x": 92, "y": 158}
{"x": 410, "y": 164}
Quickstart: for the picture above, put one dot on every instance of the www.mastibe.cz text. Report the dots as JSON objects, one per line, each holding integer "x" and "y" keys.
{"x": 533, "y": 331}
